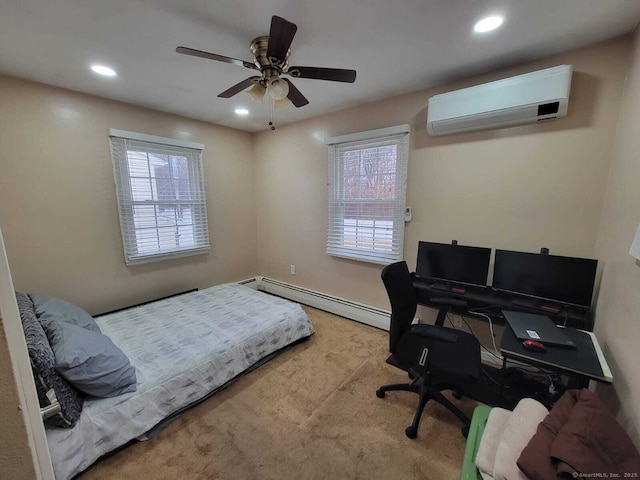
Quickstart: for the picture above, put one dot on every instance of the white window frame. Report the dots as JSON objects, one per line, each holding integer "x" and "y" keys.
{"x": 119, "y": 141}
{"x": 336, "y": 246}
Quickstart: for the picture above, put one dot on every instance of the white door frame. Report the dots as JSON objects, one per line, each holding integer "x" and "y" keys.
{"x": 21, "y": 366}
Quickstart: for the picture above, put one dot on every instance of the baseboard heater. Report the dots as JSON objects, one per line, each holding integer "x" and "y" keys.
{"x": 251, "y": 282}
{"x": 376, "y": 317}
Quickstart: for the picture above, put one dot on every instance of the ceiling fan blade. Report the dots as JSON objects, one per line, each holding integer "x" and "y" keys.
{"x": 295, "y": 96}
{"x": 237, "y": 88}
{"x": 214, "y": 56}
{"x": 319, "y": 73}
{"x": 280, "y": 37}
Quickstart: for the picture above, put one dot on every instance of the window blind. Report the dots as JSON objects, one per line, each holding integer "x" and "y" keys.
{"x": 161, "y": 199}
{"x": 367, "y": 194}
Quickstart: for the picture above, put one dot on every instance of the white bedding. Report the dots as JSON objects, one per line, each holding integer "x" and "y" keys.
{"x": 182, "y": 348}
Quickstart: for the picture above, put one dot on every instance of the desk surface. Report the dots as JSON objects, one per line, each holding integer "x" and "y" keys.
{"x": 587, "y": 360}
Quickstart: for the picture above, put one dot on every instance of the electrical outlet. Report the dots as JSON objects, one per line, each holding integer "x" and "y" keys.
{"x": 293, "y": 269}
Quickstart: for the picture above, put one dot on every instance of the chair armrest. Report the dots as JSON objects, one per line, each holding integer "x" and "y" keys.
{"x": 436, "y": 333}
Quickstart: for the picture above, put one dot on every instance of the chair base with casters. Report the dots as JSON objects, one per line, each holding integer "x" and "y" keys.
{"x": 425, "y": 393}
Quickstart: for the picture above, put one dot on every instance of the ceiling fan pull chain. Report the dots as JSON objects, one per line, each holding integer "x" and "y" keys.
{"x": 271, "y": 114}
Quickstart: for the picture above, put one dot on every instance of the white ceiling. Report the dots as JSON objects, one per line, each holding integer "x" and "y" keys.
{"x": 396, "y": 46}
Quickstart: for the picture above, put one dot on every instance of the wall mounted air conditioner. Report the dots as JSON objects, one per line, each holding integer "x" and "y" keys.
{"x": 525, "y": 98}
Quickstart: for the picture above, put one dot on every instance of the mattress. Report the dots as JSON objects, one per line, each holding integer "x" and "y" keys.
{"x": 182, "y": 347}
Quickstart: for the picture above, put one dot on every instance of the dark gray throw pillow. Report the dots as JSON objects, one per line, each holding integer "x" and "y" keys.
{"x": 89, "y": 360}
{"x": 46, "y": 306}
{"x": 45, "y": 375}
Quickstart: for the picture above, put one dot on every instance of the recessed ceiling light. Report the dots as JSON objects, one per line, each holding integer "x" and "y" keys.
{"x": 242, "y": 111}
{"x": 488, "y": 24}
{"x": 104, "y": 70}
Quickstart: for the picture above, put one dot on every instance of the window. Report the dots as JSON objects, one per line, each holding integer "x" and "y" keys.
{"x": 160, "y": 191}
{"x": 367, "y": 185}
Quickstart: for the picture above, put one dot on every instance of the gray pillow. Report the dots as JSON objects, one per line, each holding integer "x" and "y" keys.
{"x": 70, "y": 313}
{"x": 89, "y": 360}
{"x": 45, "y": 375}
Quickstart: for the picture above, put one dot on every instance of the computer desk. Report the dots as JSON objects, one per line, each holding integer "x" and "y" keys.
{"x": 586, "y": 362}
{"x": 491, "y": 303}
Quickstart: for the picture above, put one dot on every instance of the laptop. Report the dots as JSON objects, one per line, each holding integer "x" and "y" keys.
{"x": 530, "y": 326}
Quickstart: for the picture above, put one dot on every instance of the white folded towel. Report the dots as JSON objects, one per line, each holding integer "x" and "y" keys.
{"x": 520, "y": 427}
{"x": 491, "y": 437}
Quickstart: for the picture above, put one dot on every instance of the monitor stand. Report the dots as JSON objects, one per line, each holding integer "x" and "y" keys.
{"x": 448, "y": 288}
{"x": 537, "y": 305}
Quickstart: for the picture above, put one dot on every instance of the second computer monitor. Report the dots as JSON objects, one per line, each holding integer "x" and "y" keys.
{"x": 447, "y": 262}
{"x": 565, "y": 280}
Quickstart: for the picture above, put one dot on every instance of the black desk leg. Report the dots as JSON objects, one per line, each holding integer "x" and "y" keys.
{"x": 502, "y": 375}
{"x": 442, "y": 315}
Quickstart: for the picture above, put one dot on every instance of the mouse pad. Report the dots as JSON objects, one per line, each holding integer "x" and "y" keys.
{"x": 583, "y": 359}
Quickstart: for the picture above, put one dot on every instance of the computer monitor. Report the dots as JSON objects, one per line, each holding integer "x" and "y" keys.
{"x": 447, "y": 262}
{"x": 565, "y": 280}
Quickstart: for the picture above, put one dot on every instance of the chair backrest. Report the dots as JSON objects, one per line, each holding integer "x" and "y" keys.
{"x": 397, "y": 281}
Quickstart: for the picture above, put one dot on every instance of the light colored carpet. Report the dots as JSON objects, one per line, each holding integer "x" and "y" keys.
{"x": 311, "y": 413}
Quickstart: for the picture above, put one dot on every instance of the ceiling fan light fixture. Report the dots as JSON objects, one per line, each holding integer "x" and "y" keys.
{"x": 257, "y": 91}
{"x": 277, "y": 88}
{"x": 271, "y": 58}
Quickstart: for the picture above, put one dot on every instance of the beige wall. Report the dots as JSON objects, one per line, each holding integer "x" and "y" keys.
{"x": 58, "y": 206}
{"x": 520, "y": 188}
{"x": 618, "y": 311}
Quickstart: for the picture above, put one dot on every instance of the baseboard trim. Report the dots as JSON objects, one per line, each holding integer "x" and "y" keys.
{"x": 360, "y": 312}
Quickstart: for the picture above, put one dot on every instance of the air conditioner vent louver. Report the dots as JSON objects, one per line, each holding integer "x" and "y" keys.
{"x": 512, "y": 101}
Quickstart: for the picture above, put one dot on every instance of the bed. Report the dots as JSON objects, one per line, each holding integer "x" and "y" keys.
{"x": 182, "y": 348}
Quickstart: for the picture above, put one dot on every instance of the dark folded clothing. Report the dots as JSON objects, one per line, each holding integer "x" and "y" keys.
{"x": 579, "y": 436}
{"x": 535, "y": 460}
{"x": 592, "y": 441}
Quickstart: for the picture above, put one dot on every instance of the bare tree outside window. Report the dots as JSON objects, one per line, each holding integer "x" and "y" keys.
{"x": 164, "y": 180}
{"x": 368, "y": 197}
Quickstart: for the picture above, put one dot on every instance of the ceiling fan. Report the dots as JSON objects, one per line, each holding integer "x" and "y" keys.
{"x": 271, "y": 58}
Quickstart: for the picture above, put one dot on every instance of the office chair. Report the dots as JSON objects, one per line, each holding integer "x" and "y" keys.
{"x": 437, "y": 358}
